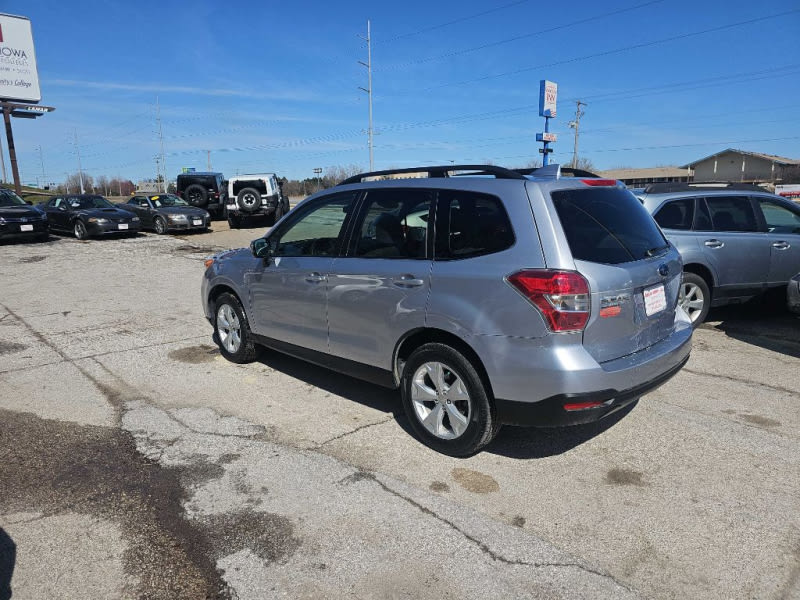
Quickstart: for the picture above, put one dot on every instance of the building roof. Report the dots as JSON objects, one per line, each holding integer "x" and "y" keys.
{"x": 648, "y": 173}
{"x": 781, "y": 160}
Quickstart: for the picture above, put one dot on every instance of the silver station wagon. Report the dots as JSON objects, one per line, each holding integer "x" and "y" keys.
{"x": 487, "y": 296}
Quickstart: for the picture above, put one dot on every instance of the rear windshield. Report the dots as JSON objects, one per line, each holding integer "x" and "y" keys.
{"x": 607, "y": 225}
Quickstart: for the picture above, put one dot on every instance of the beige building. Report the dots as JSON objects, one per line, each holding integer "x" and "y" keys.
{"x": 641, "y": 177}
{"x": 741, "y": 166}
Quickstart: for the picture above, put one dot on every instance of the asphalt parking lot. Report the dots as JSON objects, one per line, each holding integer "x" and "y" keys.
{"x": 136, "y": 462}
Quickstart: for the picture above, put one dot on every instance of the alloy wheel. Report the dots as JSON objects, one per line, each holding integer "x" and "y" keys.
{"x": 229, "y": 329}
{"x": 441, "y": 400}
{"x": 691, "y": 299}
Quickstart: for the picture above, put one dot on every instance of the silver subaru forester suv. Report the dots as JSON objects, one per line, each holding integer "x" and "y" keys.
{"x": 487, "y": 296}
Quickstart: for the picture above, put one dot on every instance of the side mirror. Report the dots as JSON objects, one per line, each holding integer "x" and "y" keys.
{"x": 260, "y": 248}
{"x": 28, "y": 202}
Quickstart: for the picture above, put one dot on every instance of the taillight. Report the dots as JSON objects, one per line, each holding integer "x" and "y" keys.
{"x": 561, "y": 296}
{"x": 600, "y": 182}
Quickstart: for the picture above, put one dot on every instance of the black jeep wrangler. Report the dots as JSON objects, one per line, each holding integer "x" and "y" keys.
{"x": 204, "y": 190}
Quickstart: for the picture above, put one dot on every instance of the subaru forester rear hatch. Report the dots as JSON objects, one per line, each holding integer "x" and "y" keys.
{"x": 633, "y": 274}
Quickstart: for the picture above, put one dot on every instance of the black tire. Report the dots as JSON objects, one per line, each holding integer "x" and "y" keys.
{"x": 693, "y": 289}
{"x": 160, "y": 225}
{"x": 79, "y": 229}
{"x": 43, "y": 237}
{"x": 196, "y": 195}
{"x": 234, "y": 221}
{"x": 481, "y": 426}
{"x": 243, "y": 352}
{"x": 248, "y": 199}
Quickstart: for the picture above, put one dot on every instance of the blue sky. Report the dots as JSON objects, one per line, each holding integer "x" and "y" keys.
{"x": 274, "y": 86}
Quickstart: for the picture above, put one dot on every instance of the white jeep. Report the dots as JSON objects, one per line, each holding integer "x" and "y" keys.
{"x": 255, "y": 195}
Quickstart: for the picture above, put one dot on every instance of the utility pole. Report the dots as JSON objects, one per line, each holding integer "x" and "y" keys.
{"x": 161, "y": 142}
{"x": 41, "y": 160}
{"x": 576, "y": 126}
{"x": 80, "y": 171}
{"x": 208, "y": 157}
{"x": 368, "y": 90}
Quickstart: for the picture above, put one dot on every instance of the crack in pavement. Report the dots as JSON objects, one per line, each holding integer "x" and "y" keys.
{"x": 769, "y": 386}
{"x": 108, "y": 353}
{"x": 360, "y": 474}
{"x": 351, "y": 432}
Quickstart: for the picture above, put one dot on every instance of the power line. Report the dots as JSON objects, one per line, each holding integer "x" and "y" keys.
{"x": 453, "y": 22}
{"x": 614, "y": 51}
{"x": 519, "y": 37}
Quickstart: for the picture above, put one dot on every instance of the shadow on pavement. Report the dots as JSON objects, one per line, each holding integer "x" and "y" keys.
{"x": 513, "y": 442}
{"x": 542, "y": 442}
{"x": 763, "y": 322}
{"x": 8, "y": 558}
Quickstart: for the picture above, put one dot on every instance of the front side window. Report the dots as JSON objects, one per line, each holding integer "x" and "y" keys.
{"x": 318, "y": 231}
{"x": 779, "y": 218}
{"x": 395, "y": 224}
{"x": 731, "y": 213}
{"x": 471, "y": 224}
{"x": 607, "y": 225}
{"x": 677, "y": 214}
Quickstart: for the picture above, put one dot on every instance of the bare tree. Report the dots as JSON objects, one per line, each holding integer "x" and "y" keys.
{"x": 102, "y": 185}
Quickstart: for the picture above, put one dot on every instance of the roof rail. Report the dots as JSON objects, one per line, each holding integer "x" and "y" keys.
{"x": 441, "y": 171}
{"x": 683, "y": 186}
{"x": 565, "y": 172}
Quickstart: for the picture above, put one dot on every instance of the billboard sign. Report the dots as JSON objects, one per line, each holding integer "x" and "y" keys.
{"x": 547, "y": 137}
{"x": 19, "y": 79}
{"x": 548, "y": 92}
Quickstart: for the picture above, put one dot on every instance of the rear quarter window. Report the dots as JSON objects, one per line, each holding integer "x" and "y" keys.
{"x": 607, "y": 225}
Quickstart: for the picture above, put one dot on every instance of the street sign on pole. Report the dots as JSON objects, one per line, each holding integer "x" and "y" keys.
{"x": 548, "y": 94}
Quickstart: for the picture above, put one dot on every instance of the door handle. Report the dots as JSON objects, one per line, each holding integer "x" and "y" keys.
{"x": 781, "y": 245}
{"x": 407, "y": 281}
{"x": 714, "y": 243}
{"x": 315, "y": 277}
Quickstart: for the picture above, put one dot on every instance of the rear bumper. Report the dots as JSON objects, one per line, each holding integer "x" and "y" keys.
{"x": 550, "y": 412}
{"x": 532, "y": 379}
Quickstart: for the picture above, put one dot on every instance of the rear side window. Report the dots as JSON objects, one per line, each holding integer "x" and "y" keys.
{"x": 607, "y": 225}
{"x": 394, "y": 224}
{"x": 731, "y": 213}
{"x": 677, "y": 214}
{"x": 779, "y": 218}
{"x": 471, "y": 224}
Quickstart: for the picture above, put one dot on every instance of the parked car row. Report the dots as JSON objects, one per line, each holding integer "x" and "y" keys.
{"x": 92, "y": 215}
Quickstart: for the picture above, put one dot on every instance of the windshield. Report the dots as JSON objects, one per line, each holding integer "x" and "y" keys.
{"x": 9, "y": 198}
{"x": 90, "y": 202}
{"x": 168, "y": 200}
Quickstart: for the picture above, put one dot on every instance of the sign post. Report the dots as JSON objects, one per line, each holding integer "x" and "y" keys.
{"x": 548, "y": 94}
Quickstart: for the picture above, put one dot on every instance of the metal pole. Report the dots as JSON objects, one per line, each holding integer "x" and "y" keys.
{"x": 368, "y": 90}
{"x": 208, "y": 156}
{"x": 161, "y": 140}
{"x": 12, "y": 153}
{"x": 3, "y": 162}
{"x": 41, "y": 160}
{"x": 576, "y": 126}
{"x": 80, "y": 171}
{"x": 546, "y": 144}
